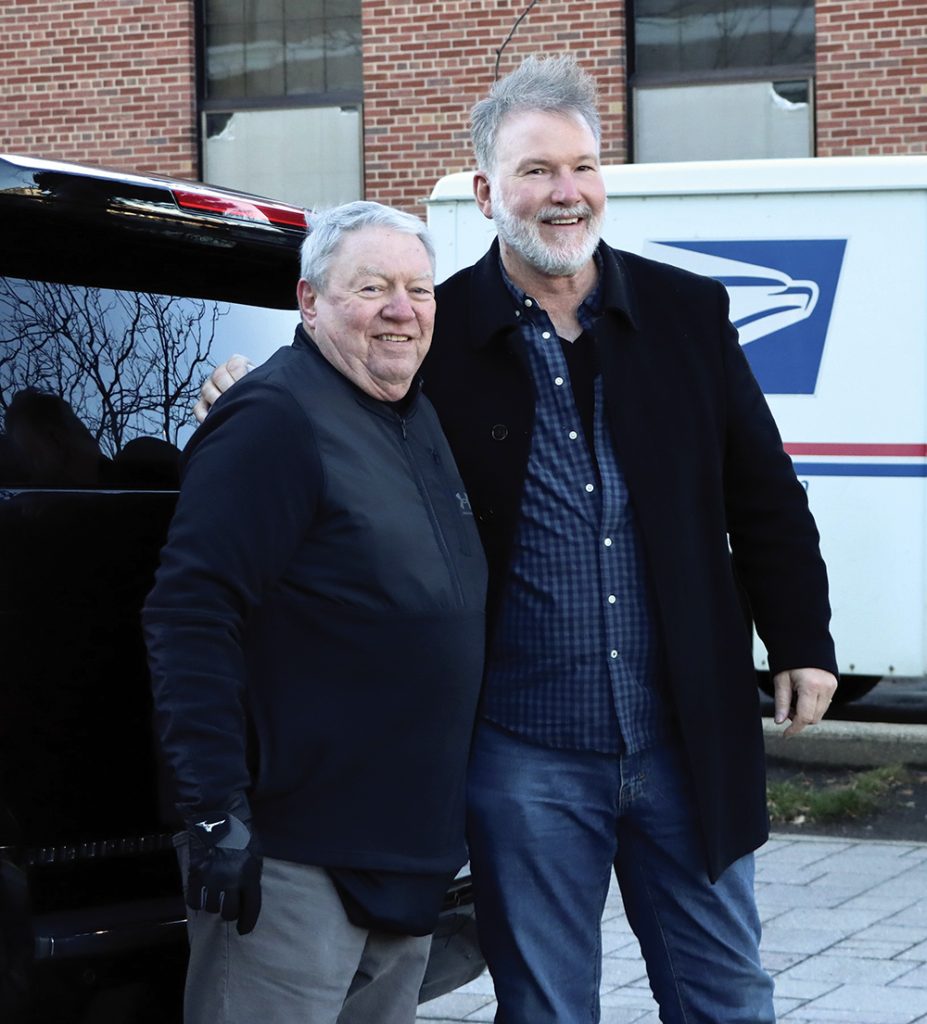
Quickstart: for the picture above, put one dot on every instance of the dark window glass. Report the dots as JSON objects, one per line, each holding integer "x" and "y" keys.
{"x": 300, "y": 9}
{"x": 265, "y": 48}
{"x": 95, "y": 390}
{"x": 719, "y": 35}
{"x": 267, "y": 10}
{"x": 96, "y": 385}
{"x": 225, "y": 12}
{"x": 343, "y": 53}
{"x": 342, "y": 8}
{"x": 305, "y": 55}
{"x": 794, "y": 92}
{"x": 265, "y": 71}
{"x": 226, "y": 64}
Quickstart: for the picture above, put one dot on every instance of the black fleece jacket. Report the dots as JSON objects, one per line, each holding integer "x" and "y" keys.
{"x": 316, "y": 629}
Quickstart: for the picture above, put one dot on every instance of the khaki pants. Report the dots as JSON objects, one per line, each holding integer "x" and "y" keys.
{"x": 304, "y": 963}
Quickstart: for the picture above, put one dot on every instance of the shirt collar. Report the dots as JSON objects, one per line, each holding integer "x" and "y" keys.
{"x": 611, "y": 292}
{"x": 490, "y": 311}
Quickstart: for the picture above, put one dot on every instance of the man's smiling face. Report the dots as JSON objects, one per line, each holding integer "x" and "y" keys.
{"x": 545, "y": 193}
{"x": 374, "y": 317}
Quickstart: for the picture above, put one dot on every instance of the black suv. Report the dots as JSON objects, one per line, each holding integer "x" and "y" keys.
{"x": 117, "y": 294}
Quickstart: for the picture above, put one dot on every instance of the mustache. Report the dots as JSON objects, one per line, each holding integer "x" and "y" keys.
{"x": 582, "y": 211}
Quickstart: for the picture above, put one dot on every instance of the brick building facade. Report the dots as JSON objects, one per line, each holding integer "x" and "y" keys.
{"x": 871, "y": 77}
{"x": 100, "y": 81}
{"x": 114, "y": 81}
{"x": 426, "y": 64}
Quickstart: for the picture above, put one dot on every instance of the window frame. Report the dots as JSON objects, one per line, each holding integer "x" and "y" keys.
{"x": 705, "y": 76}
{"x": 228, "y": 104}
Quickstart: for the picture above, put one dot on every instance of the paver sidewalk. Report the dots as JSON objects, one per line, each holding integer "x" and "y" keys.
{"x": 844, "y": 935}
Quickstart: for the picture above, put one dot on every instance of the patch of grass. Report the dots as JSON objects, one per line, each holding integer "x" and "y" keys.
{"x": 798, "y": 800}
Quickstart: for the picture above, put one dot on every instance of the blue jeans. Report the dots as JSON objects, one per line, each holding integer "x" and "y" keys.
{"x": 546, "y": 827}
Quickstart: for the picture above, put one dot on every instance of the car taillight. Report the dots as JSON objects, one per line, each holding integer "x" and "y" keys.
{"x": 237, "y": 206}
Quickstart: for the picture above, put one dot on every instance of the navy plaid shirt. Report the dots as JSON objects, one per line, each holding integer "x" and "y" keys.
{"x": 574, "y": 662}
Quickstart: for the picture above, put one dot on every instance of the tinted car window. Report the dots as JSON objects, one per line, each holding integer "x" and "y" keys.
{"x": 96, "y": 387}
{"x": 97, "y": 384}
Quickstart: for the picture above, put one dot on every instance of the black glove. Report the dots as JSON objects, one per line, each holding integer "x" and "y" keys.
{"x": 225, "y": 867}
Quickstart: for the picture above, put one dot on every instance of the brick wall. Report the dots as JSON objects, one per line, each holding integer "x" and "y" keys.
{"x": 871, "y": 77}
{"x": 112, "y": 81}
{"x": 426, "y": 64}
{"x": 100, "y": 81}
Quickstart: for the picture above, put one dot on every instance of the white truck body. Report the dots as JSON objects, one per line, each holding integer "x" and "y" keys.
{"x": 825, "y": 261}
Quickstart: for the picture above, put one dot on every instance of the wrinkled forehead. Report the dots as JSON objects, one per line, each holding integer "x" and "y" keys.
{"x": 382, "y": 251}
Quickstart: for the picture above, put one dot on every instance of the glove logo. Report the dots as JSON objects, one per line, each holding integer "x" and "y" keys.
{"x": 208, "y": 826}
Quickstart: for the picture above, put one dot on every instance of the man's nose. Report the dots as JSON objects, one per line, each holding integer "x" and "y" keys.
{"x": 398, "y": 307}
{"x": 565, "y": 190}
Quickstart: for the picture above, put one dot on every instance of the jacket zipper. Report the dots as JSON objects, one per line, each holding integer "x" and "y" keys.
{"x": 432, "y": 515}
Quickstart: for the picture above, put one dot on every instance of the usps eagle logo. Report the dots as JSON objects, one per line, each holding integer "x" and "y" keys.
{"x": 782, "y": 294}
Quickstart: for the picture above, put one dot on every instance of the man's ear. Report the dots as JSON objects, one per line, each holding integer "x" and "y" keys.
{"x": 306, "y": 296}
{"x": 482, "y": 193}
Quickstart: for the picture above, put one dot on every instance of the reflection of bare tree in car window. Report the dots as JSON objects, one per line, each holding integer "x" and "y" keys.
{"x": 95, "y": 388}
{"x": 128, "y": 364}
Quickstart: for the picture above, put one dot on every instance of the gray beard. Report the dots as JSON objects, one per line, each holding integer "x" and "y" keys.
{"x": 525, "y": 239}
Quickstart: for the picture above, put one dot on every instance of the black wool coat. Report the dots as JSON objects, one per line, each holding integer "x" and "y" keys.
{"x": 722, "y": 516}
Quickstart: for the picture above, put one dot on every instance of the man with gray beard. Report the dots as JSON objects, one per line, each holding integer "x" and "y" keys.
{"x": 631, "y": 491}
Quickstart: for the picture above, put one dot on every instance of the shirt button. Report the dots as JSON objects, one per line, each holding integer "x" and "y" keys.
{"x": 614, "y": 654}
{"x": 573, "y": 435}
{"x": 545, "y": 335}
{"x": 500, "y": 432}
{"x": 608, "y": 542}
{"x": 528, "y": 302}
{"x": 590, "y": 488}
{"x": 612, "y": 599}
{"x": 558, "y": 381}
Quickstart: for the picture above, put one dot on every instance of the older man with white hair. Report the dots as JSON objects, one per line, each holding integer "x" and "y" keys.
{"x": 316, "y": 637}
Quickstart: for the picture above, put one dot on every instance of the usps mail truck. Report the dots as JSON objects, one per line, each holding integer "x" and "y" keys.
{"x": 825, "y": 261}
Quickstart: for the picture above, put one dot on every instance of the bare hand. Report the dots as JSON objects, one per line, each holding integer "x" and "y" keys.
{"x": 219, "y": 381}
{"x": 802, "y": 696}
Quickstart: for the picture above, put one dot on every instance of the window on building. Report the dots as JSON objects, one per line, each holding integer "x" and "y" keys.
{"x": 281, "y": 95}
{"x": 715, "y": 79}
